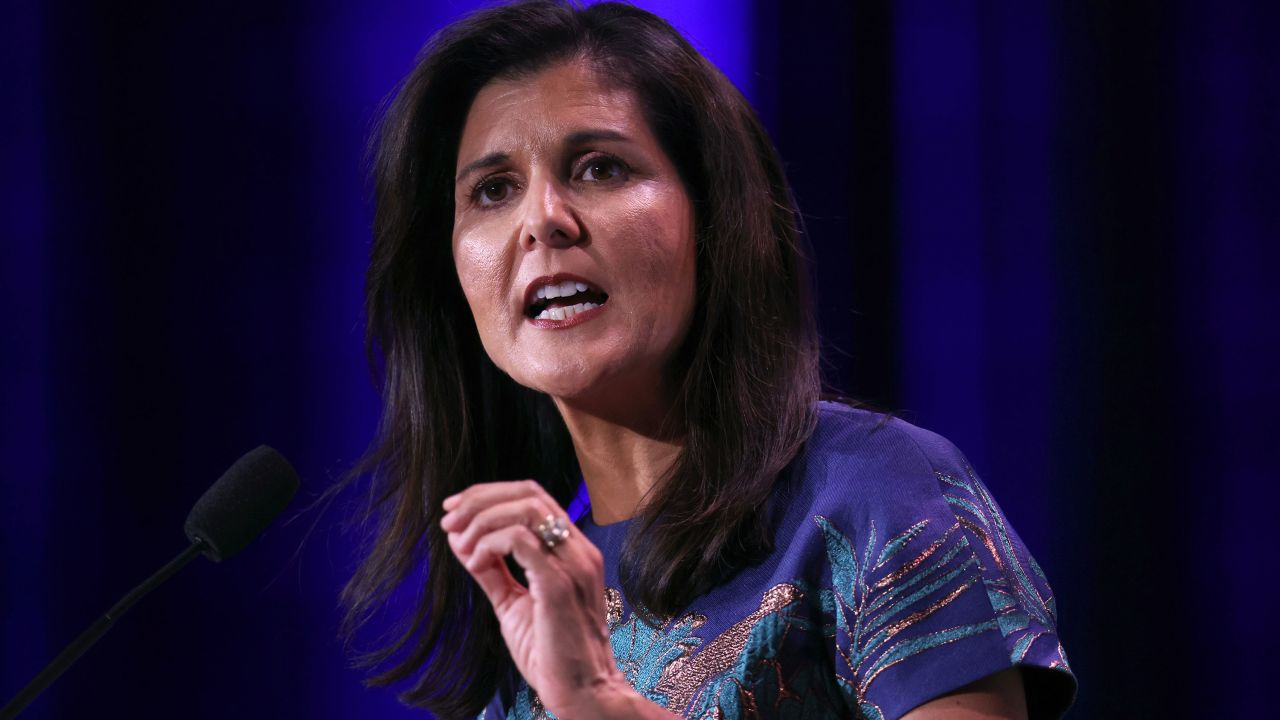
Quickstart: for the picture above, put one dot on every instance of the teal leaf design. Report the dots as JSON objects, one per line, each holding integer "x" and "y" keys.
{"x": 892, "y": 547}
{"x": 844, "y": 563}
{"x": 642, "y": 650}
{"x": 875, "y": 607}
{"x": 1025, "y": 608}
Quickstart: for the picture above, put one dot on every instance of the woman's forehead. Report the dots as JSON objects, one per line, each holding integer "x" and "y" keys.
{"x": 543, "y": 108}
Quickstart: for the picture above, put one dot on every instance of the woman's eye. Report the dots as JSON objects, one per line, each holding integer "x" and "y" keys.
{"x": 601, "y": 169}
{"x": 493, "y": 191}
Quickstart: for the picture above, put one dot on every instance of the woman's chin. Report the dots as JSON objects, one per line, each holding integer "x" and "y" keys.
{"x": 587, "y": 387}
{"x": 562, "y": 384}
{"x": 592, "y": 383}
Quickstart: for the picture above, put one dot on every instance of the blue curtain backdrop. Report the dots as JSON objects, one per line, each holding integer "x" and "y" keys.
{"x": 1047, "y": 230}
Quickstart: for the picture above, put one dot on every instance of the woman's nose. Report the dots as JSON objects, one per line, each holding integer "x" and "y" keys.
{"x": 549, "y": 216}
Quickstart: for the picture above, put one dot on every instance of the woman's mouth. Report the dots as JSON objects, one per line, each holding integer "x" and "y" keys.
{"x": 561, "y": 302}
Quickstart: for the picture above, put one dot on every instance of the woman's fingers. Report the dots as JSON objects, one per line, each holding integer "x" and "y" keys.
{"x": 492, "y": 575}
{"x": 581, "y": 559}
{"x": 524, "y": 511}
{"x": 485, "y": 507}
{"x": 490, "y": 521}
{"x": 486, "y": 563}
{"x": 482, "y": 495}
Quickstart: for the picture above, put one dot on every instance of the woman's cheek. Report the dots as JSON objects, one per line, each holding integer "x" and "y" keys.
{"x": 484, "y": 272}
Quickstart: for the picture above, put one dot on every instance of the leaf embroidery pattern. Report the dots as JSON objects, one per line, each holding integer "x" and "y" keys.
{"x": 1025, "y": 609}
{"x": 873, "y": 603}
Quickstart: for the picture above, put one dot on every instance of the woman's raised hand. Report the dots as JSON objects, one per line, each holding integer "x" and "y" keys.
{"x": 555, "y": 628}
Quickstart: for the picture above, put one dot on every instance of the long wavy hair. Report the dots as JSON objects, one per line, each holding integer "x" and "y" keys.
{"x": 746, "y": 390}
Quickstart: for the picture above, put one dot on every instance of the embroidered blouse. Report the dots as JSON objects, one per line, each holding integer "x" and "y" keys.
{"x": 895, "y": 578}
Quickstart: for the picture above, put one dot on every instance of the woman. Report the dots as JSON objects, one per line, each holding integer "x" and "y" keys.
{"x": 587, "y": 268}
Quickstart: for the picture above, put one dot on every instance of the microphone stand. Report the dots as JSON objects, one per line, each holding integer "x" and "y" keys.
{"x": 87, "y": 638}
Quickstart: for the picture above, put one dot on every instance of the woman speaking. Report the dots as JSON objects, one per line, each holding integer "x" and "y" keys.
{"x": 587, "y": 268}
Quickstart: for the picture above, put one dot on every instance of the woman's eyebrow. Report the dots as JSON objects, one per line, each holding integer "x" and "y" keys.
{"x": 574, "y": 139}
{"x": 493, "y": 159}
{"x": 586, "y": 137}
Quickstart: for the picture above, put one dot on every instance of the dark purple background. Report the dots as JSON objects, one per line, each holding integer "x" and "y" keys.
{"x": 1046, "y": 230}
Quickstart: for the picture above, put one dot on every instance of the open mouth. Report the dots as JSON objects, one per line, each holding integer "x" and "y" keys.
{"x": 562, "y": 299}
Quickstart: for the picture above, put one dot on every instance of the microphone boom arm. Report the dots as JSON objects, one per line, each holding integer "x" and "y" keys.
{"x": 87, "y": 638}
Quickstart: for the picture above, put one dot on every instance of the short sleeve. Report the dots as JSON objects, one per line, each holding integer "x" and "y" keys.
{"x": 931, "y": 589}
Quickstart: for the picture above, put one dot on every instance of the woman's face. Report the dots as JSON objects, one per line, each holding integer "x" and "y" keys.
{"x": 573, "y": 236}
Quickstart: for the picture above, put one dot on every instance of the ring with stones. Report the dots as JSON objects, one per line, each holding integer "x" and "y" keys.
{"x": 553, "y": 531}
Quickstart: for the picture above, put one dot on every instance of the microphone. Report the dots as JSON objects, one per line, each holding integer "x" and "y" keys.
{"x": 242, "y": 503}
{"x": 231, "y": 513}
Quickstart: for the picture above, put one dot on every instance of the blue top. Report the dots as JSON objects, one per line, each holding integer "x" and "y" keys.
{"x": 895, "y": 578}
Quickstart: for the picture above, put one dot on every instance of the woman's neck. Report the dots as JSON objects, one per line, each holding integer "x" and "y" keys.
{"x": 621, "y": 459}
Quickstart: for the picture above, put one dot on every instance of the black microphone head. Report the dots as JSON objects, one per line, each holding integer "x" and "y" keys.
{"x": 242, "y": 503}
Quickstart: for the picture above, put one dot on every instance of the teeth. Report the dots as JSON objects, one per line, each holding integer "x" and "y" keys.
{"x": 564, "y": 313}
{"x": 563, "y": 289}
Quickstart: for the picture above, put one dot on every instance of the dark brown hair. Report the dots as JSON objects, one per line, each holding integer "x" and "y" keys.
{"x": 451, "y": 418}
